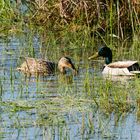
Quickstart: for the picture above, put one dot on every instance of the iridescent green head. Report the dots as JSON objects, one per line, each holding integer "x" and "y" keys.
{"x": 104, "y": 52}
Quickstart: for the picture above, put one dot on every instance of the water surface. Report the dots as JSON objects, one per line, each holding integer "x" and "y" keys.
{"x": 56, "y": 106}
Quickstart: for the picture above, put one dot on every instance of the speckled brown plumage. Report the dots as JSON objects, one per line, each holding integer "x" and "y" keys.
{"x": 40, "y": 66}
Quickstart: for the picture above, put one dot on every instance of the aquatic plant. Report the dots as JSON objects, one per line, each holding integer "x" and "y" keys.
{"x": 101, "y": 17}
{"x": 94, "y": 106}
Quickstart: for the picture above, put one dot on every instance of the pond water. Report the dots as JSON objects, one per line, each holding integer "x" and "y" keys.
{"x": 56, "y": 106}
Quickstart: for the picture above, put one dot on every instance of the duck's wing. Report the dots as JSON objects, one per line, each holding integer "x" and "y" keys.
{"x": 121, "y": 68}
{"x": 122, "y": 64}
{"x": 32, "y": 65}
{"x": 28, "y": 65}
{"x": 47, "y": 66}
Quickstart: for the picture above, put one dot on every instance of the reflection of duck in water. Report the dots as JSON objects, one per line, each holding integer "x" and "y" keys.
{"x": 40, "y": 66}
{"x": 116, "y": 68}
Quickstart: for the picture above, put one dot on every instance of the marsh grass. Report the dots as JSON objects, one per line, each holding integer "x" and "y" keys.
{"x": 86, "y": 99}
{"x": 107, "y": 97}
{"x": 99, "y": 99}
{"x": 96, "y": 19}
{"x": 104, "y": 98}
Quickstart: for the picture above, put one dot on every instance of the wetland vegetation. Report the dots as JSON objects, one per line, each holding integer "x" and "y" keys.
{"x": 86, "y": 106}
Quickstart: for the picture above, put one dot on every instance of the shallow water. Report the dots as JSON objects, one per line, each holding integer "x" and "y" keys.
{"x": 25, "y": 115}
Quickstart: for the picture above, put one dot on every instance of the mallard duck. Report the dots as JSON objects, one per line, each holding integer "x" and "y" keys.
{"x": 116, "y": 68}
{"x": 40, "y": 66}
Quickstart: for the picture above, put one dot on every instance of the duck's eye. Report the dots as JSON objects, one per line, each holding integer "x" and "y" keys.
{"x": 101, "y": 51}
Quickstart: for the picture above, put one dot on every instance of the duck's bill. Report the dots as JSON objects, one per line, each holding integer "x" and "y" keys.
{"x": 75, "y": 71}
{"x": 94, "y": 56}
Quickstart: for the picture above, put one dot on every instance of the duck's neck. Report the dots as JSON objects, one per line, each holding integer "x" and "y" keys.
{"x": 108, "y": 60}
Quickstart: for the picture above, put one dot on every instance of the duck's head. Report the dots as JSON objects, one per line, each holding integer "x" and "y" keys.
{"x": 104, "y": 52}
{"x": 65, "y": 62}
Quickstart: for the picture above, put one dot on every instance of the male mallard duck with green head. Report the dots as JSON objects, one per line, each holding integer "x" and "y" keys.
{"x": 40, "y": 66}
{"x": 116, "y": 68}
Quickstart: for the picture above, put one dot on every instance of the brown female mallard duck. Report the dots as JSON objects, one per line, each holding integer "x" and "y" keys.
{"x": 40, "y": 66}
